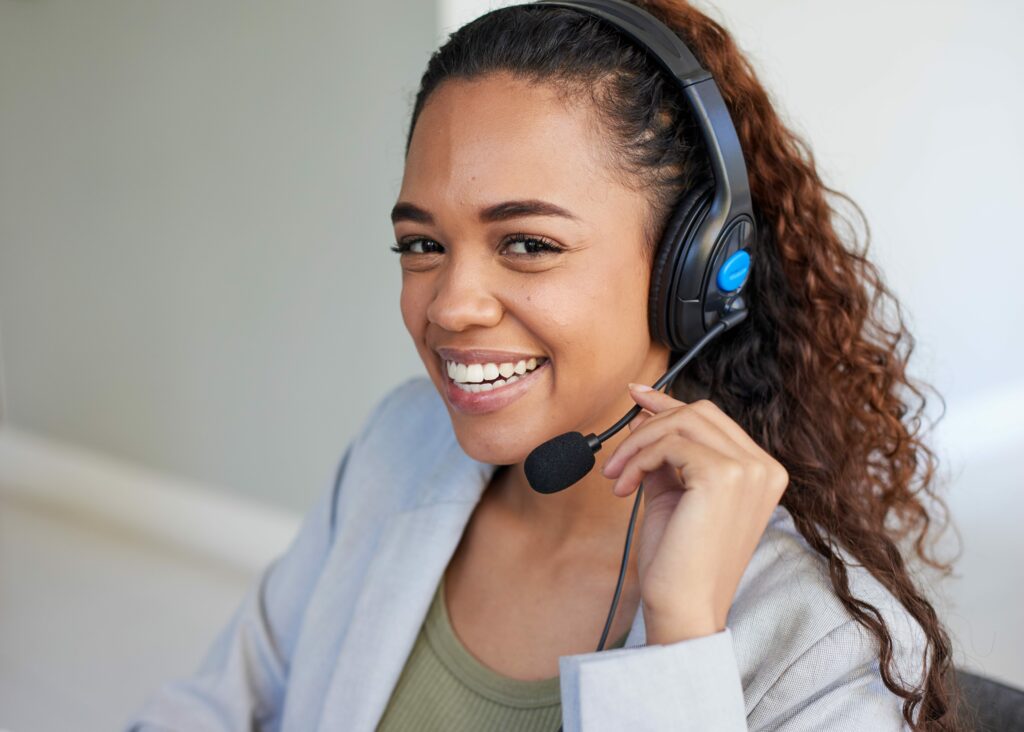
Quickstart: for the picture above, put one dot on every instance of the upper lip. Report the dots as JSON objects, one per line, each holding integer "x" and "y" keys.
{"x": 484, "y": 355}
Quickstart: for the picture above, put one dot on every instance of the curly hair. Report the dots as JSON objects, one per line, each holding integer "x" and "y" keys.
{"x": 817, "y": 374}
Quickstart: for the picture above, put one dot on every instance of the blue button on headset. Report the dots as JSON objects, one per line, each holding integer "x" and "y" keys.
{"x": 734, "y": 271}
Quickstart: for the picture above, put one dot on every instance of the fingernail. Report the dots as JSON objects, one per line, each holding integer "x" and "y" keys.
{"x": 640, "y": 387}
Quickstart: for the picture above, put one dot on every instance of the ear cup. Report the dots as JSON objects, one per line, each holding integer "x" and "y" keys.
{"x": 676, "y": 240}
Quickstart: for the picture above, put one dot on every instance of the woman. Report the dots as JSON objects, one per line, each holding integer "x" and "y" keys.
{"x": 432, "y": 588}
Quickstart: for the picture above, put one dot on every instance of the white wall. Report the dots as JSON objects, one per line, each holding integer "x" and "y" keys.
{"x": 194, "y": 230}
{"x": 915, "y": 109}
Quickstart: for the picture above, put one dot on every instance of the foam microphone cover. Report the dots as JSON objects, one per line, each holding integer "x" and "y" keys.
{"x": 558, "y": 463}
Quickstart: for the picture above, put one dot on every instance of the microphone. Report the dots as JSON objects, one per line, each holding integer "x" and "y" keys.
{"x": 562, "y": 461}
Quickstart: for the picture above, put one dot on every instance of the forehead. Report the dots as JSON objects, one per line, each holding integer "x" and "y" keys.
{"x": 500, "y": 136}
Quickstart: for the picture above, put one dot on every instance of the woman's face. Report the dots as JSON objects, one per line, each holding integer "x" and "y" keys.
{"x": 520, "y": 245}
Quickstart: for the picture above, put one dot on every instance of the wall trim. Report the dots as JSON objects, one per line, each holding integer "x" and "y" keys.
{"x": 208, "y": 521}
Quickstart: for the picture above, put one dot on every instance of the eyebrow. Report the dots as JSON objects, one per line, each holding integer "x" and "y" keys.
{"x": 405, "y": 211}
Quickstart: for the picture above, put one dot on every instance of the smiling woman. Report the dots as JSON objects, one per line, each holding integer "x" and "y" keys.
{"x": 519, "y": 240}
{"x": 550, "y": 165}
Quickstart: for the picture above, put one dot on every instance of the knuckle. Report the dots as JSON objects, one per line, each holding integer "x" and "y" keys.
{"x": 704, "y": 406}
{"x": 758, "y": 472}
{"x": 675, "y": 440}
{"x": 780, "y": 476}
{"x": 732, "y": 471}
{"x": 687, "y": 417}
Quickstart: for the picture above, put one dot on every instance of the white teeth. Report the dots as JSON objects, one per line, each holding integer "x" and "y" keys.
{"x": 487, "y": 386}
{"x": 476, "y": 377}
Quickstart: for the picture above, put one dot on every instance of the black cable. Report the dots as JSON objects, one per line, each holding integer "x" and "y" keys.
{"x": 622, "y": 569}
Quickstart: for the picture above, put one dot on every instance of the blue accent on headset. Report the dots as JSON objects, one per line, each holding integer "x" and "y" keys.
{"x": 734, "y": 271}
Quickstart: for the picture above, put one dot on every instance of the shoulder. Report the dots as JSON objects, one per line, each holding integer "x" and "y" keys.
{"x": 787, "y": 615}
{"x": 405, "y": 425}
{"x": 412, "y": 404}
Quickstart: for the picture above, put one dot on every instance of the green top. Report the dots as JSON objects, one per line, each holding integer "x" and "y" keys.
{"x": 444, "y": 687}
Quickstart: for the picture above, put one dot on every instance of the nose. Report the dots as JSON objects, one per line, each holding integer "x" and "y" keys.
{"x": 463, "y": 298}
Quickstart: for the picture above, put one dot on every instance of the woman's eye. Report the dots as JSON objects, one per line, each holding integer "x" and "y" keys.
{"x": 518, "y": 245}
{"x": 417, "y": 246}
{"x": 526, "y": 246}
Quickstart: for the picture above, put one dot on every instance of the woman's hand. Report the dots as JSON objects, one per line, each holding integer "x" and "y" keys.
{"x": 709, "y": 491}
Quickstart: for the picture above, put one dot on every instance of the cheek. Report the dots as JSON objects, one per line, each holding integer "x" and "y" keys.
{"x": 413, "y": 305}
{"x": 414, "y": 300}
{"x": 596, "y": 309}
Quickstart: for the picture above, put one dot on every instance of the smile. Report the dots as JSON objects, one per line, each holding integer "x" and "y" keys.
{"x": 482, "y": 377}
{"x": 483, "y": 387}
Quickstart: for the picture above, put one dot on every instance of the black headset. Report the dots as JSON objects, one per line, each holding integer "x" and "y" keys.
{"x": 703, "y": 259}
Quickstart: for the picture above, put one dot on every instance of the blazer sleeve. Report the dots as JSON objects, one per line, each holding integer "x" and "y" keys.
{"x": 689, "y": 685}
{"x": 695, "y": 685}
{"x": 240, "y": 683}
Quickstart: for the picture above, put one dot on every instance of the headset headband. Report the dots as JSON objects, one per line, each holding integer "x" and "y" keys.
{"x": 732, "y": 197}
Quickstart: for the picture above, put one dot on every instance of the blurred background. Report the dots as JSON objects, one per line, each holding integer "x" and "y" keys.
{"x": 198, "y": 306}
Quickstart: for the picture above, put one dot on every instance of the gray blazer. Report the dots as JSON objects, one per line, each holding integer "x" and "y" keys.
{"x": 320, "y": 639}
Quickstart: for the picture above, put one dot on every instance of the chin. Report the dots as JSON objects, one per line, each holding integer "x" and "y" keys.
{"x": 503, "y": 426}
{"x": 495, "y": 447}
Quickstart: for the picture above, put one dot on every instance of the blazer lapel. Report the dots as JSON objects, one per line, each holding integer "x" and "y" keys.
{"x": 413, "y": 550}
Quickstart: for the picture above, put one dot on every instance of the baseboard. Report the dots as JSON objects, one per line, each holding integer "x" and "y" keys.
{"x": 212, "y": 523}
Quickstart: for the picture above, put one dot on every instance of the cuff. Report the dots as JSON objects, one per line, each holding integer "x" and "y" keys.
{"x": 689, "y": 685}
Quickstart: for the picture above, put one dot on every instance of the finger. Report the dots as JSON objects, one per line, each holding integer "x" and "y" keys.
{"x": 660, "y": 480}
{"x": 651, "y": 399}
{"x": 682, "y": 420}
{"x": 727, "y": 424}
{"x": 655, "y": 401}
{"x": 692, "y": 459}
{"x": 639, "y": 419}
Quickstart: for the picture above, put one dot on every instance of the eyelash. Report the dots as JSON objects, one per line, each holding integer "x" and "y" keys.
{"x": 546, "y": 246}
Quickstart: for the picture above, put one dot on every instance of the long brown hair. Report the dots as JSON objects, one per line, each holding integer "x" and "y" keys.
{"x": 817, "y": 373}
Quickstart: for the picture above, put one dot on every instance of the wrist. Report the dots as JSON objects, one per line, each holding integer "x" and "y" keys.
{"x": 663, "y": 628}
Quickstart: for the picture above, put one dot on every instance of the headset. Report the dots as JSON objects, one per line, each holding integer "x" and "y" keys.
{"x": 702, "y": 261}
{"x": 701, "y": 264}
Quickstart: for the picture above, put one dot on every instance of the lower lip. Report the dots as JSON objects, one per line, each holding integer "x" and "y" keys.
{"x": 482, "y": 402}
